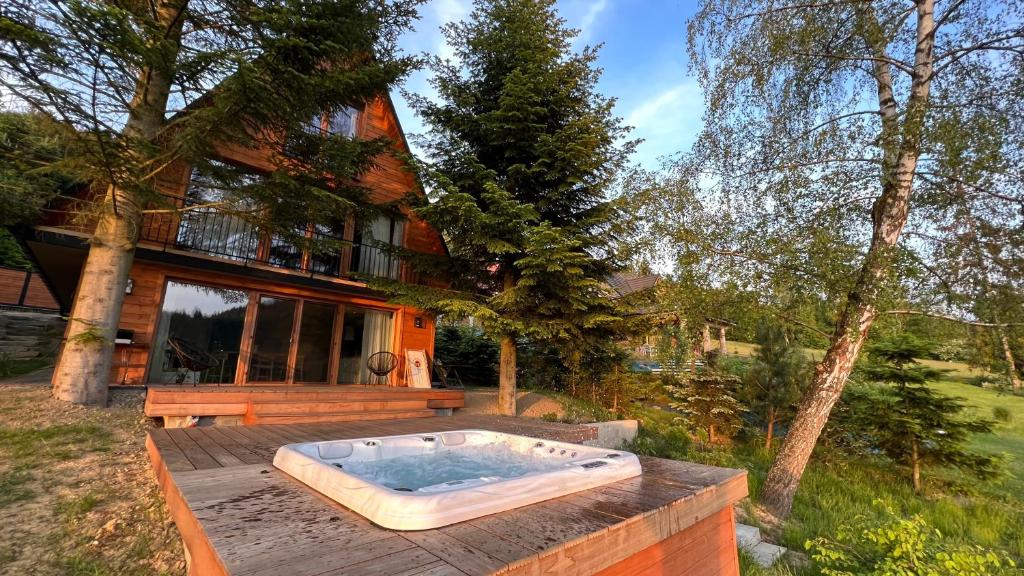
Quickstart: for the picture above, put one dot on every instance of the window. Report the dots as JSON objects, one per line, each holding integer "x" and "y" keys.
{"x": 205, "y": 320}
{"x": 208, "y": 228}
{"x": 368, "y": 257}
{"x": 343, "y": 122}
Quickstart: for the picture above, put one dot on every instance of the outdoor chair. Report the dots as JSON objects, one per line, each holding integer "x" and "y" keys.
{"x": 192, "y": 359}
{"x": 380, "y": 365}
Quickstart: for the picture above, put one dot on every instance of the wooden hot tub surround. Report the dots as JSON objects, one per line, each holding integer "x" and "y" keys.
{"x": 239, "y": 515}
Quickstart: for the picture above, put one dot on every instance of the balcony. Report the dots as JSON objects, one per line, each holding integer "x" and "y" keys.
{"x": 212, "y": 232}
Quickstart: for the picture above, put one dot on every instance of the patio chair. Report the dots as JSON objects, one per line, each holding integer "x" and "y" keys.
{"x": 380, "y": 365}
{"x": 192, "y": 359}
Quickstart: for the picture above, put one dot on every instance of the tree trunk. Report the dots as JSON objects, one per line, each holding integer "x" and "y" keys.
{"x": 1010, "y": 361}
{"x": 82, "y": 373}
{"x": 507, "y": 377}
{"x": 901, "y": 148}
{"x": 770, "y": 435}
{"x": 915, "y": 466}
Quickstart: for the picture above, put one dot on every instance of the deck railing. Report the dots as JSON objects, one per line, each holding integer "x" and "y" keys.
{"x": 214, "y": 232}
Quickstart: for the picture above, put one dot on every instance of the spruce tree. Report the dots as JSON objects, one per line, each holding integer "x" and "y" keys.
{"x": 777, "y": 376}
{"x": 140, "y": 86}
{"x": 522, "y": 155}
{"x": 913, "y": 424}
{"x": 707, "y": 401}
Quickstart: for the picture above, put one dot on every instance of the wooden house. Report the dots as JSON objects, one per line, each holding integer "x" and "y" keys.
{"x": 272, "y": 315}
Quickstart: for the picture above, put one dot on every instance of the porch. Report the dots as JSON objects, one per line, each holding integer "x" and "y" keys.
{"x": 248, "y": 405}
{"x": 239, "y": 515}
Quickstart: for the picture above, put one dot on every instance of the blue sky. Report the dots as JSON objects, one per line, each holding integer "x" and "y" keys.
{"x": 644, "y": 61}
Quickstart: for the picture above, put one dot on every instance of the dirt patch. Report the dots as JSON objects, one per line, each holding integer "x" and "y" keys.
{"x": 77, "y": 494}
{"x": 528, "y": 404}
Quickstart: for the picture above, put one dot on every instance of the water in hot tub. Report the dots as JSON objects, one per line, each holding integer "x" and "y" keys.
{"x": 496, "y": 460}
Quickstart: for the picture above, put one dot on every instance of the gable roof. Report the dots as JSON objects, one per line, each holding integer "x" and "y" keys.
{"x": 626, "y": 283}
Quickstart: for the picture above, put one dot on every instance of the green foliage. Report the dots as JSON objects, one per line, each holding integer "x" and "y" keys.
{"x": 776, "y": 378}
{"x": 11, "y": 254}
{"x": 522, "y": 182}
{"x": 271, "y": 68}
{"x": 1002, "y": 414}
{"x": 898, "y": 546}
{"x": 467, "y": 349}
{"x": 910, "y": 422}
{"x": 30, "y": 146}
{"x": 707, "y": 402}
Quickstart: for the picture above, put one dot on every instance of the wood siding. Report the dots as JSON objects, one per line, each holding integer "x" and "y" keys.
{"x": 14, "y": 292}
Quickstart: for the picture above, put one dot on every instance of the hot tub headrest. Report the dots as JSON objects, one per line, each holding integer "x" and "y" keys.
{"x": 331, "y": 450}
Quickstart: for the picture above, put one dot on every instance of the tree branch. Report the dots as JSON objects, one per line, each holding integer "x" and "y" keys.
{"x": 953, "y": 318}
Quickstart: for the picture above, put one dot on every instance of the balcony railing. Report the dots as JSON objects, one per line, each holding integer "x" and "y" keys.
{"x": 207, "y": 230}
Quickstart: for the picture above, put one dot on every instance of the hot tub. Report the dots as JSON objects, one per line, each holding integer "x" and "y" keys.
{"x": 422, "y": 481}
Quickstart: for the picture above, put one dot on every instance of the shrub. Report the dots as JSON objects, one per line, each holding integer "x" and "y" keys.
{"x": 891, "y": 545}
{"x": 1002, "y": 414}
{"x": 471, "y": 352}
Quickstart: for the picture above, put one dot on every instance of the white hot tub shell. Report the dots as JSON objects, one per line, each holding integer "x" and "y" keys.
{"x": 423, "y": 481}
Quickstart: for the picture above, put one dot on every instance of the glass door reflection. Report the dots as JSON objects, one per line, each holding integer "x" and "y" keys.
{"x": 272, "y": 339}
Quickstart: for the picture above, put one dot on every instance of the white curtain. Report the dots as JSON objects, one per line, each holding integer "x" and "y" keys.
{"x": 377, "y": 337}
{"x": 375, "y": 261}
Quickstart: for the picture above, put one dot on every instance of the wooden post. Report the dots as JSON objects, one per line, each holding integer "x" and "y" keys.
{"x": 721, "y": 339}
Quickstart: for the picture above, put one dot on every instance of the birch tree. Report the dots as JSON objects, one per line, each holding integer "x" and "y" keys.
{"x": 830, "y": 124}
{"x": 139, "y": 86}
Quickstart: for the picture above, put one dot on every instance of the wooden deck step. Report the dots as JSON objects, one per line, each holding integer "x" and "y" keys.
{"x": 289, "y": 407}
{"x": 251, "y": 419}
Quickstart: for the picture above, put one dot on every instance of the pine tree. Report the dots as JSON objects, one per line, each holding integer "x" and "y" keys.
{"x": 139, "y": 86}
{"x": 777, "y": 376}
{"x": 523, "y": 153}
{"x": 707, "y": 401}
{"x": 913, "y": 424}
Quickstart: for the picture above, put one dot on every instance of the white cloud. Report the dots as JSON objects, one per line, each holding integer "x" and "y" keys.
{"x": 446, "y": 11}
{"x": 667, "y": 121}
{"x": 589, "y": 19}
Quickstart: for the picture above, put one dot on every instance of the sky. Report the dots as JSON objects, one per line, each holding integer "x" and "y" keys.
{"x": 643, "y": 57}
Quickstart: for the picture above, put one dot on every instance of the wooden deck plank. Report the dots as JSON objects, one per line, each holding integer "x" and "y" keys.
{"x": 211, "y": 446}
{"x": 195, "y": 453}
{"x": 469, "y": 559}
{"x": 173, "y": 457}
{"x": 248, "y": 518}
{"x": 241, "y": 452}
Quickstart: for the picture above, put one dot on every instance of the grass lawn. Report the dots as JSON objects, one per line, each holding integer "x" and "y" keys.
{"x": 77, "y": 495}
{"x": 10, "y": 367}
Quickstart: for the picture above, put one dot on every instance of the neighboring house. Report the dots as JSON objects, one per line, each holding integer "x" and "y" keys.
{"x": 267, "y": 311}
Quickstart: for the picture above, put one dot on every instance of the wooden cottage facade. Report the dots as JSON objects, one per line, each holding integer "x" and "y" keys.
{"x": 268, "y": 312}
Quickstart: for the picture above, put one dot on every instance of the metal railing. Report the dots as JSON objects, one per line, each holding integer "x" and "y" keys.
{"x": 211, "y": 231}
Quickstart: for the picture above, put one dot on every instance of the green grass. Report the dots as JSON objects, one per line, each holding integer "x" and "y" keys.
{"x": 10, "y": 367}
{"x": 30, "y": 446}
{"x": 836, "y": 488}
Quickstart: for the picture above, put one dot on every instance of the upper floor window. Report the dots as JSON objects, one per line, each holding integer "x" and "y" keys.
{"x": 341, "y": 123}
{"x": 209, "y": 225}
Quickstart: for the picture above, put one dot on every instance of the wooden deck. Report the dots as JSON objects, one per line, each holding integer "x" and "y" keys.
{"x": 239, "y": 515}
{"x": 298, "y": 403}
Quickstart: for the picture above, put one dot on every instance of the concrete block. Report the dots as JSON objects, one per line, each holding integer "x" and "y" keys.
{"x": 614, "y": 434}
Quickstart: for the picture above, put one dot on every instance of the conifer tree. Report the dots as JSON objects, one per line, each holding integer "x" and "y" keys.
{"x": 777, "y": 376}
{"x": 139, "y": 86}
{"x": 910, "y": 422}
{"x": 707, "y": 400}
{"x": 522, "y": 155}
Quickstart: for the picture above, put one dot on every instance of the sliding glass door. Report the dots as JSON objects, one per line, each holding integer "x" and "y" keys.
{"x": 272, "y": 339}
{"x": 364, "y": 332}
{"x": 199, "y": 327}
{"x": 316, "y": 330}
